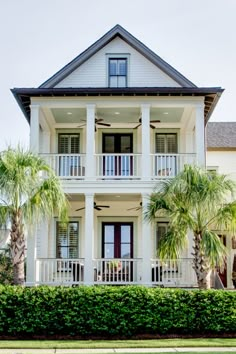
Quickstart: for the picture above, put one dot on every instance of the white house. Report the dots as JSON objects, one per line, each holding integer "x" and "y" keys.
{"x": 221, "y": 157}
{"x": 113, "y": 123}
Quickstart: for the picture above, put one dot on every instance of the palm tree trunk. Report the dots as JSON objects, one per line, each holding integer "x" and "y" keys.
{"x": 17, "y": 247}
{"x": 200, "y": 264}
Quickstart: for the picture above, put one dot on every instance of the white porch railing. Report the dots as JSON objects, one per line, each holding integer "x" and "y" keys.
{"x": 120, "y": 166}
{"x": 173, "y": 273}
{"x": 169, "y": 165}
{"x": 59, "y": 271}
{"x": 117, "y": 271}
{"x": 66, "y": 165}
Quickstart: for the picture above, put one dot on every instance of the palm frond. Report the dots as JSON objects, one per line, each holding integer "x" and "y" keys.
{"x": 213, "y": 248}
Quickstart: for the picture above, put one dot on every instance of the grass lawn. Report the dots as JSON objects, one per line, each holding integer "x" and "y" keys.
{"x": 98, "y": 344}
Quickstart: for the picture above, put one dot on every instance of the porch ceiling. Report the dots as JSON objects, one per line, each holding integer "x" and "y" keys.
{"x": 118, "y": 115}
{"x": 106, "y": 197}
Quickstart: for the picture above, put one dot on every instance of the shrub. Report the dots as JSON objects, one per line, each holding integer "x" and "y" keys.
{"x": 114, "y": 311}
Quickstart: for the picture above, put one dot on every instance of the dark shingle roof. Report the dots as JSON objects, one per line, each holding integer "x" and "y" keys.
{"x": 221, "y": 135}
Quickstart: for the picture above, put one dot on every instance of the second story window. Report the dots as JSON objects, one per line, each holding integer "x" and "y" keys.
{"x": 117, "y": 72}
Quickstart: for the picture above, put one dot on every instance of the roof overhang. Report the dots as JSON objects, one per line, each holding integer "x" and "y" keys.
{"x": 211, "y": 94}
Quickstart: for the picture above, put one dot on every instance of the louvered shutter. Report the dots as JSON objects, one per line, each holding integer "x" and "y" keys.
{"x": 171, "y": 143}
{"x": 67, "y": 240}
{"x": 166, "y": 143}
{"x": 69, "y": 144}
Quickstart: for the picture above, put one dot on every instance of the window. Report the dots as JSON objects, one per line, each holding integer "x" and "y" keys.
{"x": 67, "y": 240}
{"x": 68, "y": 143}
{"x": 69, "y": 160}
{"x": 166, "y": 160}
{"x": 160, "y": 232}
{"x": 117, "y": 72}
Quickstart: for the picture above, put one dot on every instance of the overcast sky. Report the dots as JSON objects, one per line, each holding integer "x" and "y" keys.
{"x": 37, "y": 38}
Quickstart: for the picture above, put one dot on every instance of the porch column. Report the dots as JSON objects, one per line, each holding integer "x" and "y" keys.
{"x": 146, "y": 162}
{"x": 31, "y": 258}
{"x": 200, "y": 135}
{"x": 90, "y": 142}
{"x": 89, "y": 239}
{"x": 34, "y": 128}
{"x": 146, "y": 246}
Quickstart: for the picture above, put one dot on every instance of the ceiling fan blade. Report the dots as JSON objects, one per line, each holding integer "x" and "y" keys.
{"x": 79, "y": 209}
{"x": 106, "y": 124}
{"x": 97, "y": 208}
{"x": 155, "y": 121}
{"x": 152, "y": 126}
{"x": 137, "y": 208}
{"x": 82, "y": 125}
{"x": 137, "y": 126}
{"x": 97, "y": 120}
{"x": 103, "y": 206}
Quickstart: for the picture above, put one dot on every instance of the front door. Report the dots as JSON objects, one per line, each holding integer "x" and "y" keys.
{"x": 117, "y": 149}
{"x": 117, "y": 243}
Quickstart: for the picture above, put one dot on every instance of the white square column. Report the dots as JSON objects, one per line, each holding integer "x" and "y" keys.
{"x": 34, "y": 128}
{"x": 200, "y": 135}
{"x": 146, "y": 246}
{"x": 90, "y": 143}
{"x": 146, "y": 157}
{"x": 89, "y": 239}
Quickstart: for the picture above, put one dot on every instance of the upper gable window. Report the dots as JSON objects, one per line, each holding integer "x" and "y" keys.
{"x": 117, "y": 72}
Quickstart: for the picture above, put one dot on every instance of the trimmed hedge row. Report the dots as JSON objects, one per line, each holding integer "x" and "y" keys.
{"x": 115, "y": 311}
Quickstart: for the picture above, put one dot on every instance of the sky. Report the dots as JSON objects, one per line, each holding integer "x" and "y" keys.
{"x": 39, "y": 37}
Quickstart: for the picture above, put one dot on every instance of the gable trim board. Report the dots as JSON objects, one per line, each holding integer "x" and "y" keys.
{"x": 211, "y": 94}
{"x": 103, "y": 41}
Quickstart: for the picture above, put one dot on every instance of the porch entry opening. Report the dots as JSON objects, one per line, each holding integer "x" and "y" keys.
{"x": 166, "y": 158}
{"x": 117, "y": 149}
{"x": 117, "y": 251}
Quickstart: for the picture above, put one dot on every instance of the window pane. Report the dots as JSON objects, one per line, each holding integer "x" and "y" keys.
{"x": 109, "y": 234}
{"x": 109, "y": 144}
{"x": 113, "y": 67}
{"x": 67, "y": 240}
{"x": 125, "y": 234}
{"x": 122, "y": 67}
{"x": 113, "y": 81}
{"x": 125, "y": 250}
{"x": 121, "y": 81}
{"x": 125, "y": 144}
{"x": 109, "y": 250}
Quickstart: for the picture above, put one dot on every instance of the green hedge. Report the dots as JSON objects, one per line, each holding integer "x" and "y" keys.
{"x": 115, "y": 311}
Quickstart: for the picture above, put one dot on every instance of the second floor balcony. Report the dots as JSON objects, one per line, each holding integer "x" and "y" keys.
{"x": 117, "y": 166}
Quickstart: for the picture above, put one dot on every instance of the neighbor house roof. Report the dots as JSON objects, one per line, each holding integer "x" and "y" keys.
{"x": 117, "y": 31}
{"x": 221, "y": 135}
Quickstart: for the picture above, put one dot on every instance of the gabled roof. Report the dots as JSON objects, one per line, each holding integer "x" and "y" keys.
{"x": 221, "y": 135}
{"x": 103, "y": 41}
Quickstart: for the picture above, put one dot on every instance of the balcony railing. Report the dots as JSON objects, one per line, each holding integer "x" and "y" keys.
{"x": 117, "y": 271}
{"x": 173, "y": 273}
{"x": 120, "y": 166}
{"x": 59, "y": 271}
{"x": 169, "y": 165}
{"x": 67, "y": 165}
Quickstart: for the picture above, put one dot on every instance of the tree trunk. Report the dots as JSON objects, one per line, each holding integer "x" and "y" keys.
{"x": 17, "y": 247}
{"x": 200, "y": 264}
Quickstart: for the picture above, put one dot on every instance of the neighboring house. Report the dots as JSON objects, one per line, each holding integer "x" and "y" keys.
{"x": 221, "y": 157}
{"x": 113, "y": 123}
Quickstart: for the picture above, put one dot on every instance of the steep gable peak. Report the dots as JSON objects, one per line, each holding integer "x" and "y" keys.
{"x": 117, "y": 31}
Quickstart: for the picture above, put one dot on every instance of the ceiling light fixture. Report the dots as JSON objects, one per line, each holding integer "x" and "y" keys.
{"x": 69, "y": 113}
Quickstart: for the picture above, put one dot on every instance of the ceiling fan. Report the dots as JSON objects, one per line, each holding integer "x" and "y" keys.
{"x": 137, "y": 208}
{"x": 98, "y": 121}
{"x": 97, "y": 207}
{"x": 151, "y": 121}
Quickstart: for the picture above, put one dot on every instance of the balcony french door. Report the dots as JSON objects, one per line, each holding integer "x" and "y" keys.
{"x": 117, "y": 160}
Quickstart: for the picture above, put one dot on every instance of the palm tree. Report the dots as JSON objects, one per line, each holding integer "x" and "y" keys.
{"x": 29, "y": 192}
{"x": 196, "y": 200}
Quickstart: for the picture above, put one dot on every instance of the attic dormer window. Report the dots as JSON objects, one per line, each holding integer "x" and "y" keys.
{"x": 117, "y": 72}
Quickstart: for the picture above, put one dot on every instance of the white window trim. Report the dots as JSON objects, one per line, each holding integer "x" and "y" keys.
{"x": 118, "y": 55}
